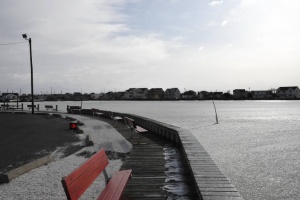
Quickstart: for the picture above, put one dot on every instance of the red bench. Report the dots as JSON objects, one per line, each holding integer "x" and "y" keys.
{"x": 96, "y": 112}
{"x": 114, "y": 118}
{"x": 133, "y": 127}
{"x": 81, "y": 178}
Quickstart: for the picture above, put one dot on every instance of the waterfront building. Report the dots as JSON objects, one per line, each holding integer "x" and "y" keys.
{"x": 240, "y": 94}
{"x": 203, "y": 95}
{"x": 128, "y": 94}
{"x": 94, "y": 96}
{"x": 262, "y": 94}
{"x": 217, "y": 95}
{"x": 189, "y": 95}
{"x": 172, "y": 94}
{"x": 291, "y": 92}
{"x": 119, "y": 95}
{"x": 140, "y": 93}
{"x": 156, "y": 94}
{"x": 9, "y": 96}
{"x": 135, "y": 93}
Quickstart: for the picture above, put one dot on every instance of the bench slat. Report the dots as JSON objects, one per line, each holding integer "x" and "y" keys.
{"x": 140, "y": 129}
{"x": 116, "y": 185}
{"x": 76, "y": 183}
{"x": 118, "y": 118}
{"x": 130, "y": 122}
{"x": 79, "y": 180}
{"x": 78, "y": 171}
{"x": 85, "y": 180}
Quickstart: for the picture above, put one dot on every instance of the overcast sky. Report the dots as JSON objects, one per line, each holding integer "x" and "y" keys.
{"x": 108, "y": 45}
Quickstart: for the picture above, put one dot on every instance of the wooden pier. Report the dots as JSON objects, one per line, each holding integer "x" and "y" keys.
{"x": 170, "y": 163}
{"x": 158, "y": 168}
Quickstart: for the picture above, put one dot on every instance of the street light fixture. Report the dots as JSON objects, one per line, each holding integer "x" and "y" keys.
{"x": 32, "y": 100}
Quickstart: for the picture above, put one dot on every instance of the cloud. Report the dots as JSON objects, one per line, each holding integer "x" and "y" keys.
{"x": 98, "y": 44}
{"x": 215, "y": 3}
{"x": 224, "y": 23}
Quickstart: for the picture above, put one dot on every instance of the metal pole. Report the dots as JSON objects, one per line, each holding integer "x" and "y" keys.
{"x": 32, "y": 100}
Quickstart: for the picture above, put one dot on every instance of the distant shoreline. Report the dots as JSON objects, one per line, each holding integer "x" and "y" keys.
{"x": 8, "y": 102}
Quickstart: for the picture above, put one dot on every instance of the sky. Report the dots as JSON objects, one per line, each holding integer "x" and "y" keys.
{"x": 100, "y": 46}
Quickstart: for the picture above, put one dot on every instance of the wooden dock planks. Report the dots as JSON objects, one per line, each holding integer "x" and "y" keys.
{"x": 152, "y": 176}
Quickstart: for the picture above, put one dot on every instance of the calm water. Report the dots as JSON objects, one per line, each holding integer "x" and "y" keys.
{"x": 255, "y": 144}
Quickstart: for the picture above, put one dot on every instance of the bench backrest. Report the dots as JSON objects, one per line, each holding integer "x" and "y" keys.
{"x": 130, "y": 122}
{"x": 111, "y": 114}
{"x": 29, "y": 106}
{"x": 75, "y": 107}
{"x": 81, "y": 178}
{"x": 95, "y": 110}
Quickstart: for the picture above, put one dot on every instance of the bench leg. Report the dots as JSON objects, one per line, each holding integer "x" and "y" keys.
{"x": 130, "y": 133}
{"x": 115, "y": 122}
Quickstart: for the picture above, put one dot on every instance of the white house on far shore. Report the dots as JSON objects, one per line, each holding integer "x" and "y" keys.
{"x": 291, "y": 92}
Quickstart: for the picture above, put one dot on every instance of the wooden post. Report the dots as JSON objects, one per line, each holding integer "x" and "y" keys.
{"x": 217, "y": 121}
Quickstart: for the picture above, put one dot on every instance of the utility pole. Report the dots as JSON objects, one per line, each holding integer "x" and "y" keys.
{"x": 32, "y": 100}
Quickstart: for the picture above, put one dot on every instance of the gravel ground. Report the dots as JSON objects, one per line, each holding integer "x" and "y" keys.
{"x": 44, "y": 182}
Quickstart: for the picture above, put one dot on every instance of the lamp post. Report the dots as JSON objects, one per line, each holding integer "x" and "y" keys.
{"x": 32, "y": 100}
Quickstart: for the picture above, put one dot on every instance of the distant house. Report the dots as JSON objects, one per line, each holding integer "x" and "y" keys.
{"x": 119, "y": 95}
{"x": 172, "y": 94}
{"x": 240, "y": 94}
{"x": 68, "y": 97}
{"x": 109, "y": 96}
{"x": 203, "y": 95}
{"x": 210, "y": 95}
{"x": 262, "y": 94}
{"x": 128, "y": 94}
{"x": 140, "y": 93}
{"x": 77, "y": 96}
{"x": 135, "y": 93}
{"x": 217, "y": 95}
{"x": 156, "y": 94}
{"x": 189, "y": 95}
{"x": 292, "y": 92}
{"x": 227, "y": 95}
{"x": 94, "y": 96}
{"x": 9, "y": 96}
